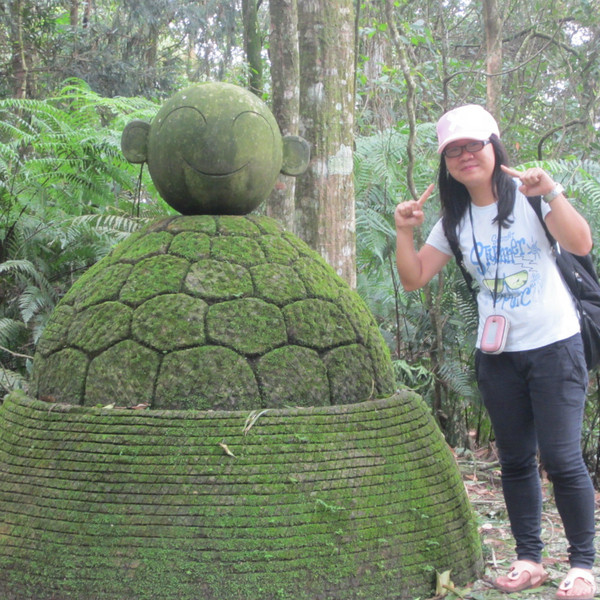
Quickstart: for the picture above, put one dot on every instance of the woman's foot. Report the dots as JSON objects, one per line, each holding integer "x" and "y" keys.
{"x": 523, "y": 575}
{"x": 579, "y": 584}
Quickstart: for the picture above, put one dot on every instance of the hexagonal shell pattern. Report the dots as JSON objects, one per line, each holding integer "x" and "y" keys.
{"x": 212, "y": 312}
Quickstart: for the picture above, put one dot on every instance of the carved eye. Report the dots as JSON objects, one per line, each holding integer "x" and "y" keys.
{"x": 254, "y": 130}
{"x": 184, "y": 126}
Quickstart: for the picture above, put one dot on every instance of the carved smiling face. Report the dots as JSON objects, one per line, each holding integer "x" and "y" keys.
{"x": 214, "y": 149}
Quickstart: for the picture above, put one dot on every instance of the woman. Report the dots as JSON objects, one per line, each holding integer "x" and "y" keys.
{"x": 530, "y": 364}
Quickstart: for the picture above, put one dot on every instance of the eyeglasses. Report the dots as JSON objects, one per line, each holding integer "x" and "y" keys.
{"x": 456, "y": 151}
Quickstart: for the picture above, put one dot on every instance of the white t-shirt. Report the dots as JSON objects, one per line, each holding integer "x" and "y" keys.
{"x": 531, "y": 292}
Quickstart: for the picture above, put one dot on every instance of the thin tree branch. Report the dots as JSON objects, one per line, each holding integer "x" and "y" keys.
{"x": 410, "y": 96}
{"x": 15, "y": 354}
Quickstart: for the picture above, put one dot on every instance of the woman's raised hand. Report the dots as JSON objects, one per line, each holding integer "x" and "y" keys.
{"x": 410, "y": 214}
{"x": 534, "y": 181}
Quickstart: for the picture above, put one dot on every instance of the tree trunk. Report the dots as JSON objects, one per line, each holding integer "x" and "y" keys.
{"x": 87, "y": 13}
{"x": 325, "y": 216}
{"x": 252, "y": 45}
{"x": 285, "y": 81}
{"x": 19, "y": 62}
{"x": 493, "y": 38}
{"x": 74, "y": 13}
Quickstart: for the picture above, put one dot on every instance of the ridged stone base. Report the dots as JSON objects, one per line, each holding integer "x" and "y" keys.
{"x": 354, "y": 501}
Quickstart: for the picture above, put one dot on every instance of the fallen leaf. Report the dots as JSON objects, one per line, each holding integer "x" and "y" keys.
{"x": 443, "y": 583}
{"x": 226, "y": 449}
{"x": 47, "y": 398}
{"x": 140, "y": 406}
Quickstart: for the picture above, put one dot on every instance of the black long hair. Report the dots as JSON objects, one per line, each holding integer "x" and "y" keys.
{"x": 455, "y": 197}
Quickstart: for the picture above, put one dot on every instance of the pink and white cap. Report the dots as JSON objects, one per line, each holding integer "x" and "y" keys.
{"x": 471, "y": 122}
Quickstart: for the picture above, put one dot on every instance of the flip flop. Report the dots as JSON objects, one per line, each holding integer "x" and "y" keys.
{"x": 572, "y": 576}
{"x": 537, "y": 576}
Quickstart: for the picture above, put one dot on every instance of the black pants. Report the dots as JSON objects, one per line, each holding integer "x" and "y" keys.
{"x": 535, "y": 400}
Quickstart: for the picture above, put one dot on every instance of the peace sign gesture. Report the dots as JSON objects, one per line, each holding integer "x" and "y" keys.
{"x": 410, "y": 214}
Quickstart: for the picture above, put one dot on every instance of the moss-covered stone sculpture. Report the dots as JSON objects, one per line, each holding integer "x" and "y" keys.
{"x": 214, "y": 149}
{"x": 358, "y": 501}
{"x": 274, "y": 460}
{"x": 212, "y": 312}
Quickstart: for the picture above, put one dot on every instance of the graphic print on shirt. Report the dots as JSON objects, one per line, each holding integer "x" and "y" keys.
{"x": 518, "y": 279}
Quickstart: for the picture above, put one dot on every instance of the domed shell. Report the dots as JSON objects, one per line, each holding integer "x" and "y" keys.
{"x": 212, "y": 312}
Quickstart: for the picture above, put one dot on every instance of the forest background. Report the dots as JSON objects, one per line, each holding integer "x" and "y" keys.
{"x": 363, "y": 82}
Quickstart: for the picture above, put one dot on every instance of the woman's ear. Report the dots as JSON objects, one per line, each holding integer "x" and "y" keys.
{"x": 134, "y": 141}
{"x": 296, "y": 155}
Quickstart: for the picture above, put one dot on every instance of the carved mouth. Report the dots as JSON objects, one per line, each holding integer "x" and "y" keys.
{"x": 215, "y": 175}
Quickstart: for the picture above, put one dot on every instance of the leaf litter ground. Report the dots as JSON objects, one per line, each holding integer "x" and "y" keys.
{"x": 481, "y": 475}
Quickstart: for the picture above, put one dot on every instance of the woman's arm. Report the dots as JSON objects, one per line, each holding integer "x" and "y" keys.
{"x": 415, "y": 268}
{"x": 565, "y": 224}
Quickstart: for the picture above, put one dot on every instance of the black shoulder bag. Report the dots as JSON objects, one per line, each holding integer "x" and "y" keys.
{"x": 581, "y": 278}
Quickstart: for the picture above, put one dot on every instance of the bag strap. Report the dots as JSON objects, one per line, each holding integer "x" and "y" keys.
{"x": 458, "y": 255}
{"x": 584, "y": 262}
{"x": 536, "y": 204}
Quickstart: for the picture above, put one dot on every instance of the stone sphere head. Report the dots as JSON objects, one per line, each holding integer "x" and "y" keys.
{"x": 214, "y": 148}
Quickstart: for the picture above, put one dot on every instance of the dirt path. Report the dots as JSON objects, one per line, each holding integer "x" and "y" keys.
{"x": 481, "y": 474}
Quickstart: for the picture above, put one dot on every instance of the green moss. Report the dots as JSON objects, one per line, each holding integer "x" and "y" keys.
{"x": 317, "y": 324}
{"x": 98, "y": 327}
{"x": 153, "y": 276}
{"x": 170, "y": 321}
{"x": 266, "y": 225}
{"x": 383, "y": 372}
{"x": 191, "y": 245}
{"x": 236, "y": 226}
{"x": 198, "y": 223}
{"x": 61, "y": 376}
{"x": 353, "y": 359}
{"x": 106, "y": 384}
{"x": 231, "y": 282}
{"x": 319, "y": 278}
{"x": 55, "y": 333}
{"x": 277, "y": 283}
{"x": 98, "y": 285}
{"x": 124, "y": 246}
{"x": 248, "y": 325}
{"x": 240, "y": 250}
{"x": 217, "y": 280}
{"x": 151, "y": 244}
{"x": 278, "y": 250}
{"x": 303, "y": 249}
{"x": 206, "y": 377}
{"x": 293, "y": 376}
{"x": 343, "y": 502}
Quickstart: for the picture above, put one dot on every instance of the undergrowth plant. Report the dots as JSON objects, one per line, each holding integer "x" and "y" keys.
{"x": 66, "y": 196}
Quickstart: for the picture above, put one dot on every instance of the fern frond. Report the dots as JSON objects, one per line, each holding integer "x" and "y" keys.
{"x": 11, "y": 331}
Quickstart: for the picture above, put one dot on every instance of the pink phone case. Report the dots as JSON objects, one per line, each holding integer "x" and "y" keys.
{"x": 495, "y": 332}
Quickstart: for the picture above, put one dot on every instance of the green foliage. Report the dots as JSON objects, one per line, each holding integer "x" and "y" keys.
{"x": 66, "y": 196}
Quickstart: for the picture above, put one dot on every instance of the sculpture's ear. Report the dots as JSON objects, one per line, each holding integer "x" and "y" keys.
{"x": 296, "y": 155}
{"x": 134, "y": 141}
